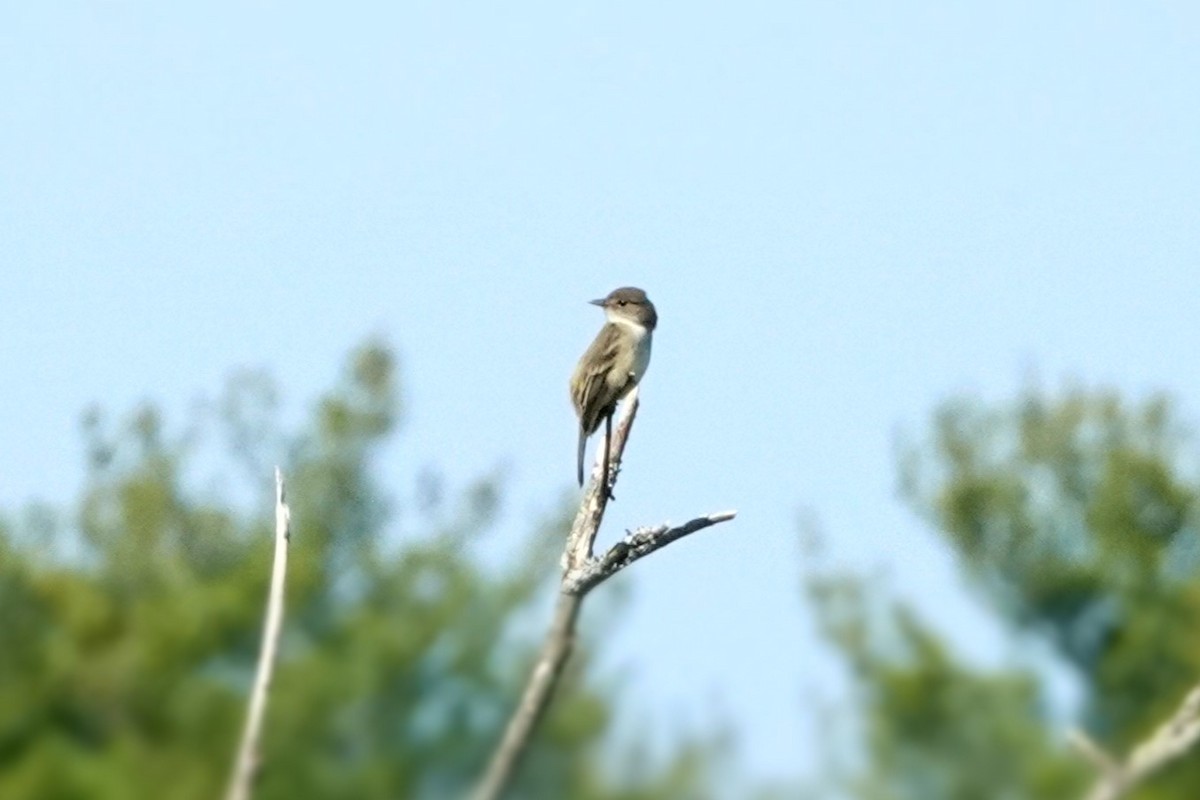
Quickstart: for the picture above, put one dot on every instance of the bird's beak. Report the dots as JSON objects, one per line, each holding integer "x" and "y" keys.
{"x": 599, "y": 302}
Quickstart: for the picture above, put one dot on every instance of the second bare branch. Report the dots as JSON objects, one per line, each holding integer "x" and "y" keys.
{"x": 246, "y": 765}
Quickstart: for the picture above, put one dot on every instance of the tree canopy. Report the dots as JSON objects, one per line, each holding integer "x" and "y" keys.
{"x": 133, "y": 613}
{"x": 1073, "y": 517}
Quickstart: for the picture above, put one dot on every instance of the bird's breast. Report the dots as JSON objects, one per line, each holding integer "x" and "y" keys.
{"x": 641, "y": 356}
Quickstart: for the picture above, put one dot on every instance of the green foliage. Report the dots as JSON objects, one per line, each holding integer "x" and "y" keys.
{"x": 1073, "y": 517}
{"x": 935, "y": 727}
{"x": 132, "y": 622}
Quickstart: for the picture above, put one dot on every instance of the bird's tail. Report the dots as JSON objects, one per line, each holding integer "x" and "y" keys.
{"x": 579, "y": 454}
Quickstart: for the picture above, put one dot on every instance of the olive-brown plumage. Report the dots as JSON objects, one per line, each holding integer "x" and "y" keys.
{"x": 612, "y": 365}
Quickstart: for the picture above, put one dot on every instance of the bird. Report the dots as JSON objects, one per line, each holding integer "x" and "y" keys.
{"x": 612, "y": 365}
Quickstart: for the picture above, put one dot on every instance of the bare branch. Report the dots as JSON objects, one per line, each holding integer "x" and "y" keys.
{"x": 595, "y": 501}
{"x": 1170, "y": 741}
{"x": 636, "y": 544}
{"x": 582, "y": 572}
{"x": 534, "y": 700}
{"x": 1100, "y": 758}
{"x": 249, "y": 758}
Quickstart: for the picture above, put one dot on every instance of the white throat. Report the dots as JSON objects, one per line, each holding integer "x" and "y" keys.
{"x": 632, "y": 326}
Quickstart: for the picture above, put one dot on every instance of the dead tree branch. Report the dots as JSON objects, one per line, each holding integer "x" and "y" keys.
{"x": 636, "y": 545}
{"x": 1170, "y": 741}
{"x": 249, "y": 758}
{"x": 582, "y": 572}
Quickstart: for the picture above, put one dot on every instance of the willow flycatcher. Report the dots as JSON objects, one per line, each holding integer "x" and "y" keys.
{"x": 612, "y": 366}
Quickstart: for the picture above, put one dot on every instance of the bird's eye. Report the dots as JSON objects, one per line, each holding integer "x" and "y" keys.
{"x": 622, "y": 302}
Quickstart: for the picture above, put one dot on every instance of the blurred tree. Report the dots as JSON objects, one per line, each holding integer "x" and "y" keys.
{"x": 933, "y": 727}
{"x": 131, "y": 624}
{"x": 1074, "y": 518}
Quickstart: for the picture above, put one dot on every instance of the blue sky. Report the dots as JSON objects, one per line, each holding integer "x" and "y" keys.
{"x": 845, "y": 213}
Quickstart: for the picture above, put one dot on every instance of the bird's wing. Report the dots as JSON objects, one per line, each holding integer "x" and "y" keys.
{"x": 593, "y": 388}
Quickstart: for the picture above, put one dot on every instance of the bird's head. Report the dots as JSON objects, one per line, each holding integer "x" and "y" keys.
{"x": 629, "y": 305}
